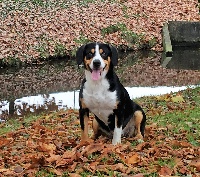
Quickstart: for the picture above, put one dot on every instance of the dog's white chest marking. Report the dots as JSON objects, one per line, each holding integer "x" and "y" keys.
{"x": 99, "y": 99}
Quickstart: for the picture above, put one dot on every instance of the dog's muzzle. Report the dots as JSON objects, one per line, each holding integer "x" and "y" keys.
{"x": 96, "y": 64}
{"x": 96, "y": 70}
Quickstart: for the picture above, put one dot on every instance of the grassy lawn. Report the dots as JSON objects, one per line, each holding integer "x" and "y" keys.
{"x": 178, "y": 112}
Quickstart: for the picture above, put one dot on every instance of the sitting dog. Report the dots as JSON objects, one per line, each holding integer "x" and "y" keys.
{"x": 101, "y": 93}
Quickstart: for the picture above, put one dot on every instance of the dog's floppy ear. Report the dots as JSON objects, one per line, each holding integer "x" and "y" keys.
{"x": 79, "y": 54}
{"x": 114, "y": 57}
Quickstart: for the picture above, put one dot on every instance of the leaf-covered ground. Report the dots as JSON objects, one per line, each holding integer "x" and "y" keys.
{"x": 39, "y": 29}
{"x": 50, "y": 145}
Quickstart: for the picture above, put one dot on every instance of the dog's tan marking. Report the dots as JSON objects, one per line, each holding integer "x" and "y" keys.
{"x": 107, "y": 62}
{"x": 84, "y": 133}
{"x": 138, "y": 119}
{"x": 92, "y": 51}
{"x": 116, "y": 105}
{"x": 100, "y": 51}
{"x": 95, "y": 127}
{"x": 87, "y": 63}
{"x": 82, "y": 103}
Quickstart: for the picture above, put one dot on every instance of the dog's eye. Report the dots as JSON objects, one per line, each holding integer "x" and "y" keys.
{"x": 90, "y": 55}
{"x": 103, "y": 54}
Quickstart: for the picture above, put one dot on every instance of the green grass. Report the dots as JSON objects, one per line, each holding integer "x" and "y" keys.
{"x": 14, "y": 124}
{"x": 113, "y": 28}
{"x": 104, "y": 160}
{"x": 45, "y": 173}
{"x": 60, "y": 50}
{"x": 93, "y": 156}
{"x": 11, "y": 61}
{"x": 81, "y": 40}
{"x": 132, "y": 38}
{"x": 152, "y": 175}
{"x": 184, "y": 117}
{"x": 166, "y": 162}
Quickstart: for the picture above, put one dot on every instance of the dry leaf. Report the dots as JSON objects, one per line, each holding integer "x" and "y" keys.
{"x": 178, "y": 99}
{"x": 135, "y": 158}
{"x": 74, "y": 175}
{"x": 138, "y": 175}
{"x": 46, "y": 147}
{"x": 53, "y": 158}
{"x": 196, "y": 164}
{"x": 18, "y": 169}
{"x": 165, "y": 171}
{"x": 93, "y": 148}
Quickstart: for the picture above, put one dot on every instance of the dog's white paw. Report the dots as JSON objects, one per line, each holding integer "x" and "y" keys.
{"x": 116, "y": 142}
{"x": 117, "y": 136}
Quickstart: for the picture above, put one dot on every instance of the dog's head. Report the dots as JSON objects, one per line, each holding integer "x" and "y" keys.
{"x": 98, "y": 58}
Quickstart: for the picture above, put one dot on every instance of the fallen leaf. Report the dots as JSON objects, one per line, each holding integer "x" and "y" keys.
{"x": 72, "y": 167}
{"x": 4, "y": 170}
{"x": 18, "y": 169}
{"x": 5, "y": 141}
{"x": 74, "y": 175}
{"x": 144, "y": 145}
{"x": 165, "y": 171}
{"x": 46, "y": 147}
{"x": 36, "y": 162}
{"x": 183, "y": 170}
{"x": 56, "y": 171}
{"x": 135, "y": 158}
{"x": 68, "y": 154}
{"x": 196, "y": 164}
{"x": 138, "y": 175}
{"x": 93, "y": 166}
{"x": 178, "y": 99}
{"x": 92, "y": 148}
{"x": 53, "y": 158}
{"x": 180, "y": 143}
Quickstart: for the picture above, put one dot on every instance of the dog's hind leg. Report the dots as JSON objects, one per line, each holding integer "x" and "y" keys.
{"x": 84, "y": 128}
{"x": 84, "y": 118}
{"x": 138, "y": 117}
{"x": 96, "y": 131}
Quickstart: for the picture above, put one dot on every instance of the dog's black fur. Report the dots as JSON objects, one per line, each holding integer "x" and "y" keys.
{"x": 102, "y": 93}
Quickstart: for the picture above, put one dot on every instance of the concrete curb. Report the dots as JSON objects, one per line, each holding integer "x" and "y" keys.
{"x": 167, "y": 46}
{"x": 181, "y": 45}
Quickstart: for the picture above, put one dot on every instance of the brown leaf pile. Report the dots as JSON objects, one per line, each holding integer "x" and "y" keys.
{"x": 33, "y": 31}
{"x": 52, "y": 143}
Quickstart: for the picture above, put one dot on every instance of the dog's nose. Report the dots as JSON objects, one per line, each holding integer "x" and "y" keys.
{"x": 96, "y": 63}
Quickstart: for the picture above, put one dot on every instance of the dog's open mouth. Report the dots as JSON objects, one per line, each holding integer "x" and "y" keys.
{"x": 96, "y": 74}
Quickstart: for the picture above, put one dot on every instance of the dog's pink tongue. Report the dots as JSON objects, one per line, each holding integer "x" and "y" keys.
{"x": 96, "y": 74}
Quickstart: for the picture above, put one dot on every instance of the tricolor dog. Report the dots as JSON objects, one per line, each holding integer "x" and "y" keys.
{"x": 101, "y": 93}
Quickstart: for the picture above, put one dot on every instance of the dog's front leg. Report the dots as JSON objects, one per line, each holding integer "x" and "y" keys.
{"x": 117, "y": 132}
{"x": 84, "y": 117}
